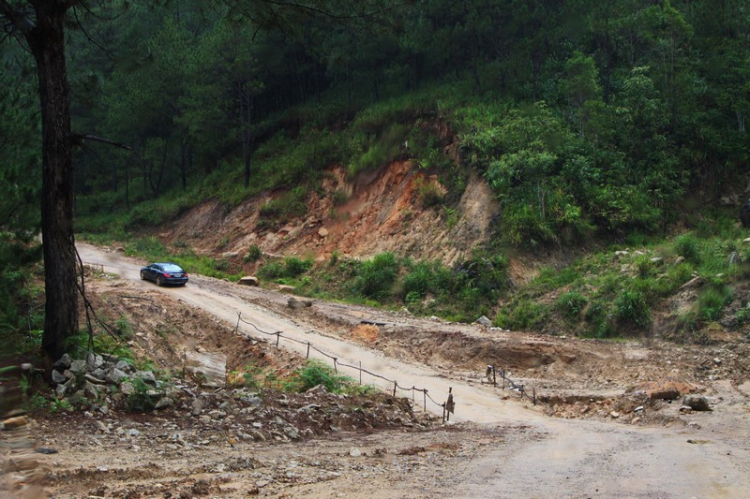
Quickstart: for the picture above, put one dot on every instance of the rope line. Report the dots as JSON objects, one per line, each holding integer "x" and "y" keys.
{"x": 336, "y": 363}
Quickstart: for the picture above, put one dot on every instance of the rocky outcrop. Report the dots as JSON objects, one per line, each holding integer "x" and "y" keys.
{"x": 101, "y": 382}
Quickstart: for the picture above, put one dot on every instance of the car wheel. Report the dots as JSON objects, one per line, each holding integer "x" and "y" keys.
{"x": 143, "y": 275}
{"x": 159, "y": 281}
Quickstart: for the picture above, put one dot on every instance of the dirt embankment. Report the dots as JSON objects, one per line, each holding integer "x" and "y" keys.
{"x": 377, "y": 212}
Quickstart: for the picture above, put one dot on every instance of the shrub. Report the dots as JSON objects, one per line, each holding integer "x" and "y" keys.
{"x": 598, "y": 317}
{"x": 687, "y": 246}
{"x": 294, "y": 266}
{"x": 631, "y": 308}
{"x": 316, "y": 373}
{"x": 272, "y": 270}
{"x": 254, "y": 254}
{"x": 429, "y": 193}
{"x": 712, "y": 301}
{"x": 419, "y": 279}
{"x": 571, "y": 304}
{"x": 376, "y": 276}
{"x": 524, "y": 314}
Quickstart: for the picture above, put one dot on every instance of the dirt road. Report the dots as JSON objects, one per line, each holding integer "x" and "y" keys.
{"x": 523, "y": 452}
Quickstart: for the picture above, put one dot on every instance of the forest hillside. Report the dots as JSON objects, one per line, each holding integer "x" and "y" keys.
{"x": 570, "y": 167}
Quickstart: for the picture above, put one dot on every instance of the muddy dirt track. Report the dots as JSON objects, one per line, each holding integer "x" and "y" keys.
{"x": 586, "y": 438}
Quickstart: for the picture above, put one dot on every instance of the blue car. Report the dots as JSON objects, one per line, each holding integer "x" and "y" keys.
{"x": 165, "y": 273}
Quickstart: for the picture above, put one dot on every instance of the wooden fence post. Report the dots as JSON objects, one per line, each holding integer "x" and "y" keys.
{"x": 425, "y": 400}
{"x": 395, "y": 385}
{"x": 278, "y": 335}
{"x": 308, "y": 350}
{"x": 360, "y": 372}
{"x": 335, "y": 367}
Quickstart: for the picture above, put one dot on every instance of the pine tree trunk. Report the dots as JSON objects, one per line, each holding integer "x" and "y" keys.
{"x": 47, "y": 42}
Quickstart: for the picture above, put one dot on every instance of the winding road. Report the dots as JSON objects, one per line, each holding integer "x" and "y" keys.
{"x": 567, "y": 458}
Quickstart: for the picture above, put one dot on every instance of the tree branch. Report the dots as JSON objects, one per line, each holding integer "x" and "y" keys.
{"x": 79, "y": 139}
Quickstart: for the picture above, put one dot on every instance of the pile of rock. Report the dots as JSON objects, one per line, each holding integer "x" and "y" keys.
{"x": 102, "y": 381}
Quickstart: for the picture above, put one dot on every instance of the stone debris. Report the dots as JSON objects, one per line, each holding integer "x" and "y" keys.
{"x": 248, "y": 281}
{"x": 696, "y": 403}
{"x": 296, "y": 303}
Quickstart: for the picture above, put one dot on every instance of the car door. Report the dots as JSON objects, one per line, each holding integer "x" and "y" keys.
{"x": 153, "y": 271}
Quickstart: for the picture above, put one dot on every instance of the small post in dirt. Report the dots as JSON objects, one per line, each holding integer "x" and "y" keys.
{"x": 308, "y": 350}
{"x": 395, "y": 385}
{"x": 450, "y": 405}
{"x": 335, "y": 367}
{"x": 278, "y": 335}
{"x": 425, "y": 400}
{"x": 237, "y": 327}
{"x": 360, "y": 372}
{"x": 443, "y": 412}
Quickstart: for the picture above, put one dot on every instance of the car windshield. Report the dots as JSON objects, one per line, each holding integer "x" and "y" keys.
{"x": 169, "y": 267}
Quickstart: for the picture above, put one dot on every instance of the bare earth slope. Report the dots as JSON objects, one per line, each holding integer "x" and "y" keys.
{"x": 381, "y": 212}
{"x": 585, "y": 439}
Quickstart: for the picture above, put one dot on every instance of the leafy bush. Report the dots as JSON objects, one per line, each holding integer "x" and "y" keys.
{"x": 631, "y": 308}
{"x": 525, "y": 314}
{"x": 712, "y": 301}
{"x": 291, "y": 267}
{"x": 420, "y": 279}
{"x": 598, "y": 318}
{"x": 571, "y": 304}
{"x": 316, "y": 373}
{"x": 254, "y": 254}
{"x": 429, "y": 193}
{"x": 272, "y": 270}
{"x": 687, "y": 246}
{"x": 375, "y": 277}
{"x": 376, "y": 150}
{"x": 294, "y": 266}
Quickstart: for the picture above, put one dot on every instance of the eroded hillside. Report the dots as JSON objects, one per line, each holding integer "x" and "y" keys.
{"x": 376, "y": 212}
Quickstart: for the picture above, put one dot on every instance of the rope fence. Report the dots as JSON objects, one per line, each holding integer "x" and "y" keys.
{"x": 492, "y": 373}
{"x": 392, "y": 384}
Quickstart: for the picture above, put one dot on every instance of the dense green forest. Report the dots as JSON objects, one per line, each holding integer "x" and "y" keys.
{"x": 588, "y": 119}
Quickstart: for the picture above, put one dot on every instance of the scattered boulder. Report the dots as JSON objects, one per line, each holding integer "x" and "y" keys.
{"x": 63, "y": 363}
{"x": 285, "y": 288}
{"x": 484, "y": 321}
{"x": 12, "y": 423}
{"x": 57, "y": 377}
{"x": 696, "y": 402}
{"x": 669, "y": 389}
{"x": 248, "y": 280}
{"x": 115, "y": 376}
{"x": 295, "y": 303}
